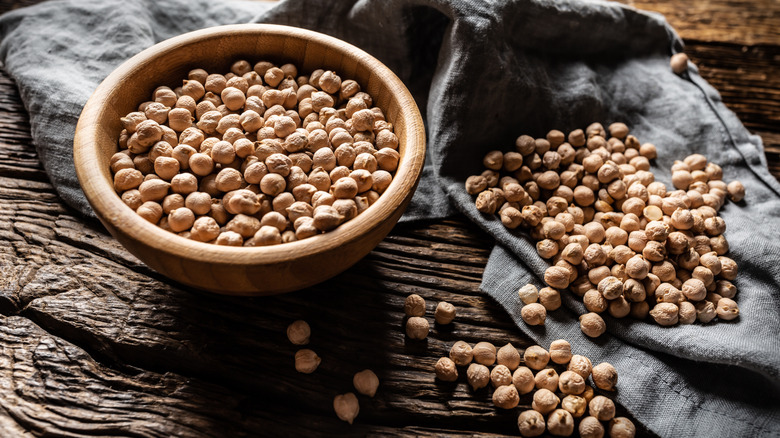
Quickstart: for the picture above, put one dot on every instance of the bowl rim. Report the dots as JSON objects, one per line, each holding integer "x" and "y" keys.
{"x": 110, "y": 209}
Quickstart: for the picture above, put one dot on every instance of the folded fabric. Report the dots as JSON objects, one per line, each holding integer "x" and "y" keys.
{"x": 484, "y": 73}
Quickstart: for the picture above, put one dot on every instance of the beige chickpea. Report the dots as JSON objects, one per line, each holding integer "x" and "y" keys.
{"x": 506, "y": 397}
{"x": 575, "y": 405}
{"x": 523, "y": 379}
{"x": 602, "y": 408}
{"x": 533, "y": 314}
{"x": 592, "y": 325}
{"x": 154, "y": 189}
{"x": 544, "y": 401}
{"x": 550, "y": 298}
{"x": 461, "y": 353}
{"x": 560, "y": 351}
{"x": 484, "y": 353}
{"x": 127, "y": 179}
{"x": 444, "y": 313}
{"x": 132, "y": 198}
{"x": 665, "y": 314}
{"x": 560, "y": 423}
{"x": 557, "y": 277}
{"x": 500, "y": 376}
{"x": 445, "y": 369}
{"x": 478, "y": 376}
{"x": 547, "y": 379}
{"x": 151, "y": 211}
{"x": 181, "y": 219}
{"x": 727, "y": 309}
{"x": 417, "y": 327}
{"x": 366, "y": 382}
{"x": 414, "y": 305}
{"x": 531, "y": 423}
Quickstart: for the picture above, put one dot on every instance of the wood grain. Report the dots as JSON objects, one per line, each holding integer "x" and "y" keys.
{"x": 94, "y": 343}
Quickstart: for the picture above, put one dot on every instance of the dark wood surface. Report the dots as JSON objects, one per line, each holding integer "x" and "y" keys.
{"x": 93, "y": 343}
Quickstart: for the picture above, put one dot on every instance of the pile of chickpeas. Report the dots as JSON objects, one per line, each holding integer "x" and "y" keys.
{"x": 258, "y": 156}
{"x": 563, "y": 398}
{"x": 615, "y": 237}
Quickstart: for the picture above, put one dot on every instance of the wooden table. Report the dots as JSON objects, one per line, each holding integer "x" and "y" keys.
{"x": 92, "y": 342}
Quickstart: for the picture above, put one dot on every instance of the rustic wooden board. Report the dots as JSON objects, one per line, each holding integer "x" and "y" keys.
{"x": 94, "y": 343}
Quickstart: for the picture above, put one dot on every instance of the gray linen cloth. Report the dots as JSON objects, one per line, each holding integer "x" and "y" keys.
{"x": 484, "y": 72}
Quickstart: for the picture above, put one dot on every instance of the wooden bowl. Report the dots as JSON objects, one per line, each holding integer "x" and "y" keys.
{"x": 244, "y": 270}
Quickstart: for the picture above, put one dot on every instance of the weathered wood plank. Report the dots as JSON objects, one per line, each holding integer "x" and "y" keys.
{"x": 743, "y": 22}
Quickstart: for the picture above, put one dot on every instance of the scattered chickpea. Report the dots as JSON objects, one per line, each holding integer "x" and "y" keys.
{"x": 727, "y": 309}
{"x": 417, "y": 328}
{"x": 621, "y": 427}
{"x": 484, "y": 353}
{"x": 560, "y": 423}
{"x": 414, "y": 305}
{"x": 478, "y": 376}
{"x": 446, "y": 371}
{"x": 445, "y": 313}
{"x": 592, "y": 325}
{"x": 571, "y": 383}
{"x": 529, "y": 293}
{"x": 605, "y": 376}
{"x": 536, "y": 357}
{"x": 575, "y": 405}
{"x": 523, "y": 379}
{"x": 544, "y": 401}
{"x": 306, "y": 361}
{"x": 560, "y": 351}
{"x": 299, "y": 332}
{"x": 366, "y": 382}
{"x": 533, "y": 314}
{"x": 531, "y": 423}
{"x": 500, "y": 376}
{"x": 547, "y": 379}
{"x": 591, "y": 427}
{"x": 508, "y": 356}
{"x": 506, "y": 397}
{"x": 602, "y": 408}
{"x": 346, "y": 407}
{"x": 461, "y": 353}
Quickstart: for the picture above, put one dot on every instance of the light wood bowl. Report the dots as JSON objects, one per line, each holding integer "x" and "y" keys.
{"x": 244, "y": 270}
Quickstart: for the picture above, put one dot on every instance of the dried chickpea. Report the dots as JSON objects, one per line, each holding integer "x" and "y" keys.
{"x": 506, "y": 397}
{"x": 306, "y": 361}
{"x": 500, "y": 376}
{"x": 621, "y": 427}
{"x": 445, "y": 313}
{"x": 560, "y": 423}
{"x": 536, "y": 357}
{"x": 602, "y": 408}
{"x": 547, "y": 379}
{"x": 366, "y": 382}
{"x": 346, "y": 407}
{"x": 560, "y": 351}
{"x": 417, "y": 328}
{"x": 544, "y": 401}
{"x": 299, "y": 332}
{"x": 461, "y": 353}
{"x": 531, "y": 423}
{"x": 414, "y": 305}
{"x": 446, "y": 370}
{"x": 533, "y": 314}
{"x": 484, "y": 353}
{"x": 508, "y": 356}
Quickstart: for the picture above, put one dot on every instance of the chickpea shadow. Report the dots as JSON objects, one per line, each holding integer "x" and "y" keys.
{"x": 240, "y": 344}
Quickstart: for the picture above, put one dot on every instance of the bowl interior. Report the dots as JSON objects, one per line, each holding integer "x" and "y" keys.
{"x": 214, "y": 50}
